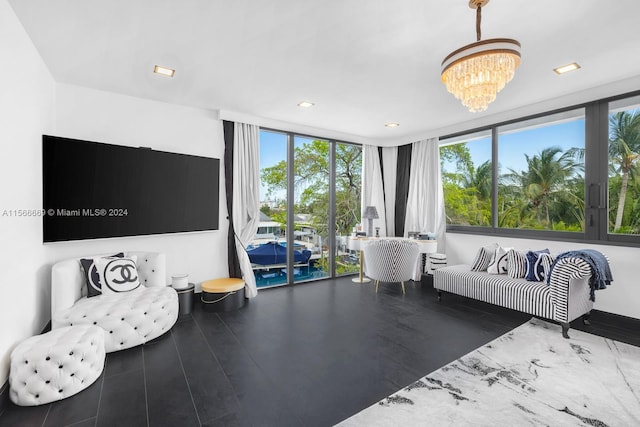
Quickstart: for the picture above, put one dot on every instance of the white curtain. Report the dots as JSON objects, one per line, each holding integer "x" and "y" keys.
{"x": 389, "y": 174}
{"x": 372, "y": 190}
{"x": 425, "y": 202}
{"x": 246, "y": 196}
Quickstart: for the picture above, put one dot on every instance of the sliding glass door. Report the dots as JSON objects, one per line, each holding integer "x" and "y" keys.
{"x": 311, "y": 170}
{"x": 348, "y": 185}
{"x": 310, "y": 202}
{"x": 267, "y": 251}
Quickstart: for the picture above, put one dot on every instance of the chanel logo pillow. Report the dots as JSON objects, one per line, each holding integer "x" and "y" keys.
{"x": 118, "y": 274}
{"x": 91, "y": 276}
{"x": 499, "y": 263}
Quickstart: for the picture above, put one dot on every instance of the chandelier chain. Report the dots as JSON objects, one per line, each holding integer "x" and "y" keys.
{"x": 478, "y": 20}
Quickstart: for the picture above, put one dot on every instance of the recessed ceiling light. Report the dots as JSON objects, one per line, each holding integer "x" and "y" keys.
{"x": 306, "y": 104}
{"x": 392, "y": 125}
{"x": 164, "y": 71}
{"x": 566, "y": 68}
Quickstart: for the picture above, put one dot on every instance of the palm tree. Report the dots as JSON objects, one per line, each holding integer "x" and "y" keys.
{"x": 480, "y": 179}
{"x": 545, "y": 177}
{"x": 624, "y": 149}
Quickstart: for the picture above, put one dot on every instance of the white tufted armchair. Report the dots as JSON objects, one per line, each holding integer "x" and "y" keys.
{"x": 390, "y": 260}
{"x": 128, "y": 319}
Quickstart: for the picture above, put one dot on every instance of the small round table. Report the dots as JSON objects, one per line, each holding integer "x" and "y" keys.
{"x": 225, "y": 294}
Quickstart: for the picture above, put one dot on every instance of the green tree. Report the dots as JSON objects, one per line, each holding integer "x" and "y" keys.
{"x": 543, "y": 183}
{"x": 624, "y": 149}
{"x": 311, "y": 183}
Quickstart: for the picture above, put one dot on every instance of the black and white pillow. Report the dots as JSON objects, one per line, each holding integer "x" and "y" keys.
{"x": 483, "y": 257}
{"x": 91, "y": 276}
{"x": 516, "y": 264}
{"x": 536, "y": 261}
{"x": 500, "y": 262}
{"x": 118, "y": 274}
{"x": 547, "y": 262}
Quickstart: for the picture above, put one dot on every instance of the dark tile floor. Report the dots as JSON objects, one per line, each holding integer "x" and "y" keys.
{"x": 310, "y": 355}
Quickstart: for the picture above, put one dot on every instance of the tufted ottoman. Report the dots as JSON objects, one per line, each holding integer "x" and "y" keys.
{"x": 128, "y": 319}
{"x": 56, "y": 365}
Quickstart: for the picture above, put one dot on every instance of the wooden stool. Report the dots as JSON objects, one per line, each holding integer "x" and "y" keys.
{"x": 223, "y": 294}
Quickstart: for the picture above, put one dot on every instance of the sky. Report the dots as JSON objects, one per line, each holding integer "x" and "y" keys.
{"x": 273, "y": 149}
{"x": 512, "y": 146}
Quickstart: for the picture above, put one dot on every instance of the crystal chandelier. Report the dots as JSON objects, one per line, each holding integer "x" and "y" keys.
{"x": 475, "y": 73}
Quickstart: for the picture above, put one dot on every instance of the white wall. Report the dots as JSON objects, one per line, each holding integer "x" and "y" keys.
{"x": 622, "y": 297}
{"x": 32, "y": 104}
{"x": 118, "y": 119}
{"x": 27, "y": 93}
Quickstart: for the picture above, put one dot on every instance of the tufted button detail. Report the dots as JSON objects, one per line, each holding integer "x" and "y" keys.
{"x": 122, "y": 319}
{"x": 47, "y": 358}
{"x": 37, "y": 396}
{"x": 72, "y": 374}
{"x": 95, "y": 323}
{"x": 60, "y": 367}
{"x": 60, "y": 391}
{"x": 110, "y": 332}
{"x": 71, "y": 353}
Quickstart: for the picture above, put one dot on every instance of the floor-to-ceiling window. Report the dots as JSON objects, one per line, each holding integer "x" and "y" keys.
{"x": 266, "y": 252}
{"x": 310, "y": 202}
{"x": 348, "y": 185}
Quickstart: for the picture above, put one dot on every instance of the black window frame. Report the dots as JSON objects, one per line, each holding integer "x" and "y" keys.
{"x": 596, "y": 230}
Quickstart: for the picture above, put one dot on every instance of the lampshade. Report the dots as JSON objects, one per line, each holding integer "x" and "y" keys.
{"x": 370, "y": 212}
{"x": 475, "y": 73}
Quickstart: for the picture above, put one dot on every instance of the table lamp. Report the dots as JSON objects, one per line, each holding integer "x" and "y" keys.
{"x": 370, "y": 213}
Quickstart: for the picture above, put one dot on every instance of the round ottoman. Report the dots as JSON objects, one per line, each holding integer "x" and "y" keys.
{"x": 55, "y": 365}
{"x": 223, "y": 294}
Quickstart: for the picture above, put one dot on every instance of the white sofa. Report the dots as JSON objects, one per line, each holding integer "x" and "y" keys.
{"x": 128, "y": 319}
{"x": 565, "y": 299}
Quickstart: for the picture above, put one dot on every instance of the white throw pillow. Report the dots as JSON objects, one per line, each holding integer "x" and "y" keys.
{"x": 499, "y": 263}
{"x": 118, "y": 274}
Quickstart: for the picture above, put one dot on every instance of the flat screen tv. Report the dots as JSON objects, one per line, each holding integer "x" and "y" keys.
{"x": 93, "y": 190}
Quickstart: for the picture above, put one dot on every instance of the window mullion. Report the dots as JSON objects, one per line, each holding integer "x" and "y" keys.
{"x": 494, "y": 177}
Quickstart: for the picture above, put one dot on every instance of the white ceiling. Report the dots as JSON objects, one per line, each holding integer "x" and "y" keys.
{"x": 363, "y": 62}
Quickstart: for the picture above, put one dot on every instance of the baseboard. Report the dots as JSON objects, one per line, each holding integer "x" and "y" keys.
{"x": 617, "y": 320}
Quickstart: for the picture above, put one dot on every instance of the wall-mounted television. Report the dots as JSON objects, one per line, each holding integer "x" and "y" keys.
{"x": 94, "y": 190}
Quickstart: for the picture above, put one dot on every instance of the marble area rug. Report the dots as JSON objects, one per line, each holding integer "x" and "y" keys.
{"x": 530, "y": 376}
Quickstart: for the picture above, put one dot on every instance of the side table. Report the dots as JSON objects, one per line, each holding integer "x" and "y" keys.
{"x": 185, "y": 299}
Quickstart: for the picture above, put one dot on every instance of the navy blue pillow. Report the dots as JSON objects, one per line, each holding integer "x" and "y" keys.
{"x": 535, "y": 267}
{"x": 91, "y": 277}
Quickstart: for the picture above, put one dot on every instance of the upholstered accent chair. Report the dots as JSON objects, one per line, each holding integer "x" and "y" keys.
{"x": 390, "y": 260}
